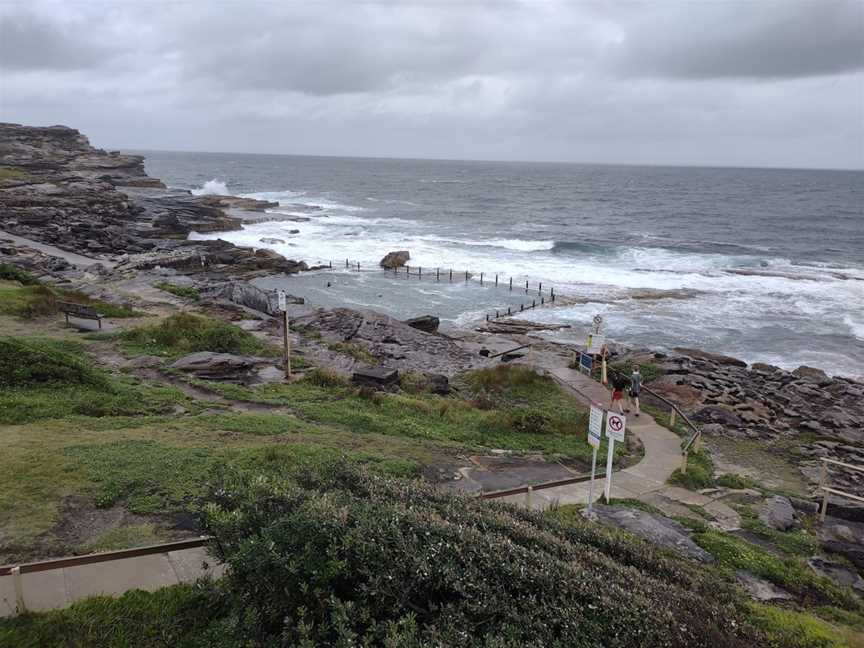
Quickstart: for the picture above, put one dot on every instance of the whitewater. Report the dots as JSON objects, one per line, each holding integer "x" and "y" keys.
{"x": 764, "y": 265}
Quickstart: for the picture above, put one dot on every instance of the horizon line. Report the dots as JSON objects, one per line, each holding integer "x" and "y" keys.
{"x": 503, "y": 161}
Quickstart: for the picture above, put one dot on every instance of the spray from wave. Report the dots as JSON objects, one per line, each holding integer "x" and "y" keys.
{"x": 212, "y": 187}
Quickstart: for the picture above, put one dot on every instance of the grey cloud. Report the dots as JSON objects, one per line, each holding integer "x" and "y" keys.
{"x": 31, "y": 42}
{"x": 740, "y": 40}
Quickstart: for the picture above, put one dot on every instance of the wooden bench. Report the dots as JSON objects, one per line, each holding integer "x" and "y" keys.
{"x": 80, "y": 311}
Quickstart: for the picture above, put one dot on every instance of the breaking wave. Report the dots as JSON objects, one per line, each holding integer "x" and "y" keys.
{"x": 212, "y": 187}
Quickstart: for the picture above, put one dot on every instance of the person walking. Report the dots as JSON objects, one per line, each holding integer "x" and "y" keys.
{"x": 635, "y": 387}
{"x": 619, "y": 383}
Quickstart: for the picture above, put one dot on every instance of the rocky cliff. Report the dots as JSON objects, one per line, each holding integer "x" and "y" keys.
{"x": 57, "y": 189}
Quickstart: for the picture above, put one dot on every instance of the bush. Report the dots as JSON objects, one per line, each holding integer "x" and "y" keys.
{"x": 180, "y": 291}
{"x": 338, "y": 556}
{"x": 504, "y": 376}
{"x": 186, "y": 333}
{"x": 321, "y": 377}
{"x": 10, "y": 272}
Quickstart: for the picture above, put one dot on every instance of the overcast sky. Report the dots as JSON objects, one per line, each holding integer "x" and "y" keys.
{"x": 746, "y": 82}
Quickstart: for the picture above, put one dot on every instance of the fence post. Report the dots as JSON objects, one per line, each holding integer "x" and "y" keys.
{"x": 18, "y": 584}
{"x": 533, "y": 303}
{"x": 526, "y": 286}
{"x": 420, "y": 272}
{"x": 528, "y": 497}
{"x": 684, "y": 463}
{"x": 508, "y": 310}
{"x": 697, "y": 442}
{"x": 331, "y": 265}
{"x": 496, "y": 280}
{"x": 511, "y": 284}
{"x": 672, "y": 417}
{"x": 346, "y": 263}
{"x": 487, "y": 317}
{"x": 466, "y": 275}
{"x": 481, "y": 278}
{"x": 552, "y": 293}
{"x": 437, "y": 274}
{"x": 497, "y": 315}
{"x": 521, "y": 307}
{"x": 451, "y": 274}
{"x": 542, "y": 300}
{"x": 540, "y": 288}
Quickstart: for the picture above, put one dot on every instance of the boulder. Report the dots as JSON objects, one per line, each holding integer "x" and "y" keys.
{"x": 222, "y": 366}
{"x": 377, "y": 378}
{"x": 777, "y": 513}
{"x": 811, "y": 373}
{"x": 427, "y": 323}
{"x": 395, "y": 259}
{"x": 656, "y": 529}
{"x": 717, "y": 414}
{"x": 271, "y": 241}
{"x": 438, "y": 384}
{"x": 245, "y": 294}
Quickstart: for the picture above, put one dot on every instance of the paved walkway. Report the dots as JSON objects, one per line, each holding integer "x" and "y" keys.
{"x": 662, "y": 454}
{"x": 50, "y": 250}
{"x": 59, "y": 588}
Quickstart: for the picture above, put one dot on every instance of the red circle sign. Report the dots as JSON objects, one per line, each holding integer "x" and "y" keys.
{"x": 615, "y": 423}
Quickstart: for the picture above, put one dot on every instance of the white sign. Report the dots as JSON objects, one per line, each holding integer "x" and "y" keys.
{"x": 595, "y": 343}
{"x": 615, "y": 425}
{"x": 595, "y": 426}
{"x": 283, "y": 301}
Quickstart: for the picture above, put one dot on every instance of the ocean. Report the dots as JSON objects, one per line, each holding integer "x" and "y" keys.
{"x": 766, "y": 265}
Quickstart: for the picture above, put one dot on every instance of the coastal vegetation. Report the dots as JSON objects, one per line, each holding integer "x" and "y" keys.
{"x": 186, "y": 292}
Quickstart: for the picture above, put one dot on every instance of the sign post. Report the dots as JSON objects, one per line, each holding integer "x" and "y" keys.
{"x": 615, "y": 426}
{"x": 595, "y": 427}
{"x": 286, "y": 342}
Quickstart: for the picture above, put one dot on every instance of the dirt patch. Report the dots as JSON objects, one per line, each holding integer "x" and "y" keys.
{"x": 81, "y": 524}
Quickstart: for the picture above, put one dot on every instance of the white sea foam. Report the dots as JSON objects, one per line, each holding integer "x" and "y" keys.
{"x": 212, "y": 187}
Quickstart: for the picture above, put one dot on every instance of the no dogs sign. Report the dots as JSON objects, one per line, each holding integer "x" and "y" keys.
{"x": 615, "y": 425}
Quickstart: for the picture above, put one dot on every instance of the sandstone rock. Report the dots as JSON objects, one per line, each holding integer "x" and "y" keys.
{"x": 712, "y": 357}
{"x": 777, "y": 513}
{"x": 438, "y": 384}
{"x": 395, "y": 259}
{"x": 656, "y": 529}
{"x": 760, "y": 589}
{"x": 717, "y": 414}
{"x": 811, "y": 373}
{"x": 222, "y": 366}
{"x": 837, "y": 572}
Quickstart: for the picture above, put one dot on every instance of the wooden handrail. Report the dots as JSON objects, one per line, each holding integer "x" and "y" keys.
{"x": 106, "y": 556}
{"x": 823, "y": 479}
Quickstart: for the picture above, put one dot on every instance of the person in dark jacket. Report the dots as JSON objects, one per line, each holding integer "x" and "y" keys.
{"x": 619, "y": 384}
{"x": 635, "y": 388}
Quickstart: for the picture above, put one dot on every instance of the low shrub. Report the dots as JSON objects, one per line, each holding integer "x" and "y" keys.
{"x": 186, "y": 333}
{"x": 735, "y": 481}
{"x": 321, "y": 377}
{"x": 185, "y": 292}
{"x": 792, "y": 629}
{"x": 531, "y": 421}
{"x": 9, "y": 272}
{"x": 504, "y": 376}
{"x": 35, "y": 300}
{"x": 357, "y": 351}
{"x": 30, "y": 362}
{"x": 338, "y": 556}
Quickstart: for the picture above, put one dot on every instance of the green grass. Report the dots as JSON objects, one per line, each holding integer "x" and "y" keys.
{"x": 792, "y": 574}
{"x": 700, "y": 472}
{"x": 649, "y": 370}
{"x": 180, "y": 291}
{"x": 185, "y": 333}
{"x": 124, "y": 537}
{"x": 39, "y": 300}
{"x": 192, "y": 616}
{"x": 793, "y": 629}
{"x": 796, "y": 542}
{"x": 12, "y": 173}
{"x": 353, "y": 350}
{"x": 737, "y": 482}
{"x": 48, "y": 379}
{"x": 507, "y": 419}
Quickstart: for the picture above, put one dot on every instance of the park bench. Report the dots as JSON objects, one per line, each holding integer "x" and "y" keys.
{"x": 80, "y": 311}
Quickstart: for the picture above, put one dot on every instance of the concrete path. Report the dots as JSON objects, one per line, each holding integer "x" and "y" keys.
{"x": 662, "y": 454}
{"x": 75, "y": 259}
{"x": 59, "y": 588}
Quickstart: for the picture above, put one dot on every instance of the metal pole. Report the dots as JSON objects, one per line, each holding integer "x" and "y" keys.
{"x": 496, "y": 280}
{"x": 591, "y": 486}
{"x": 608, "y": 490}
{"x": 286, "y": 345}
{"x": 481, "y": 278}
